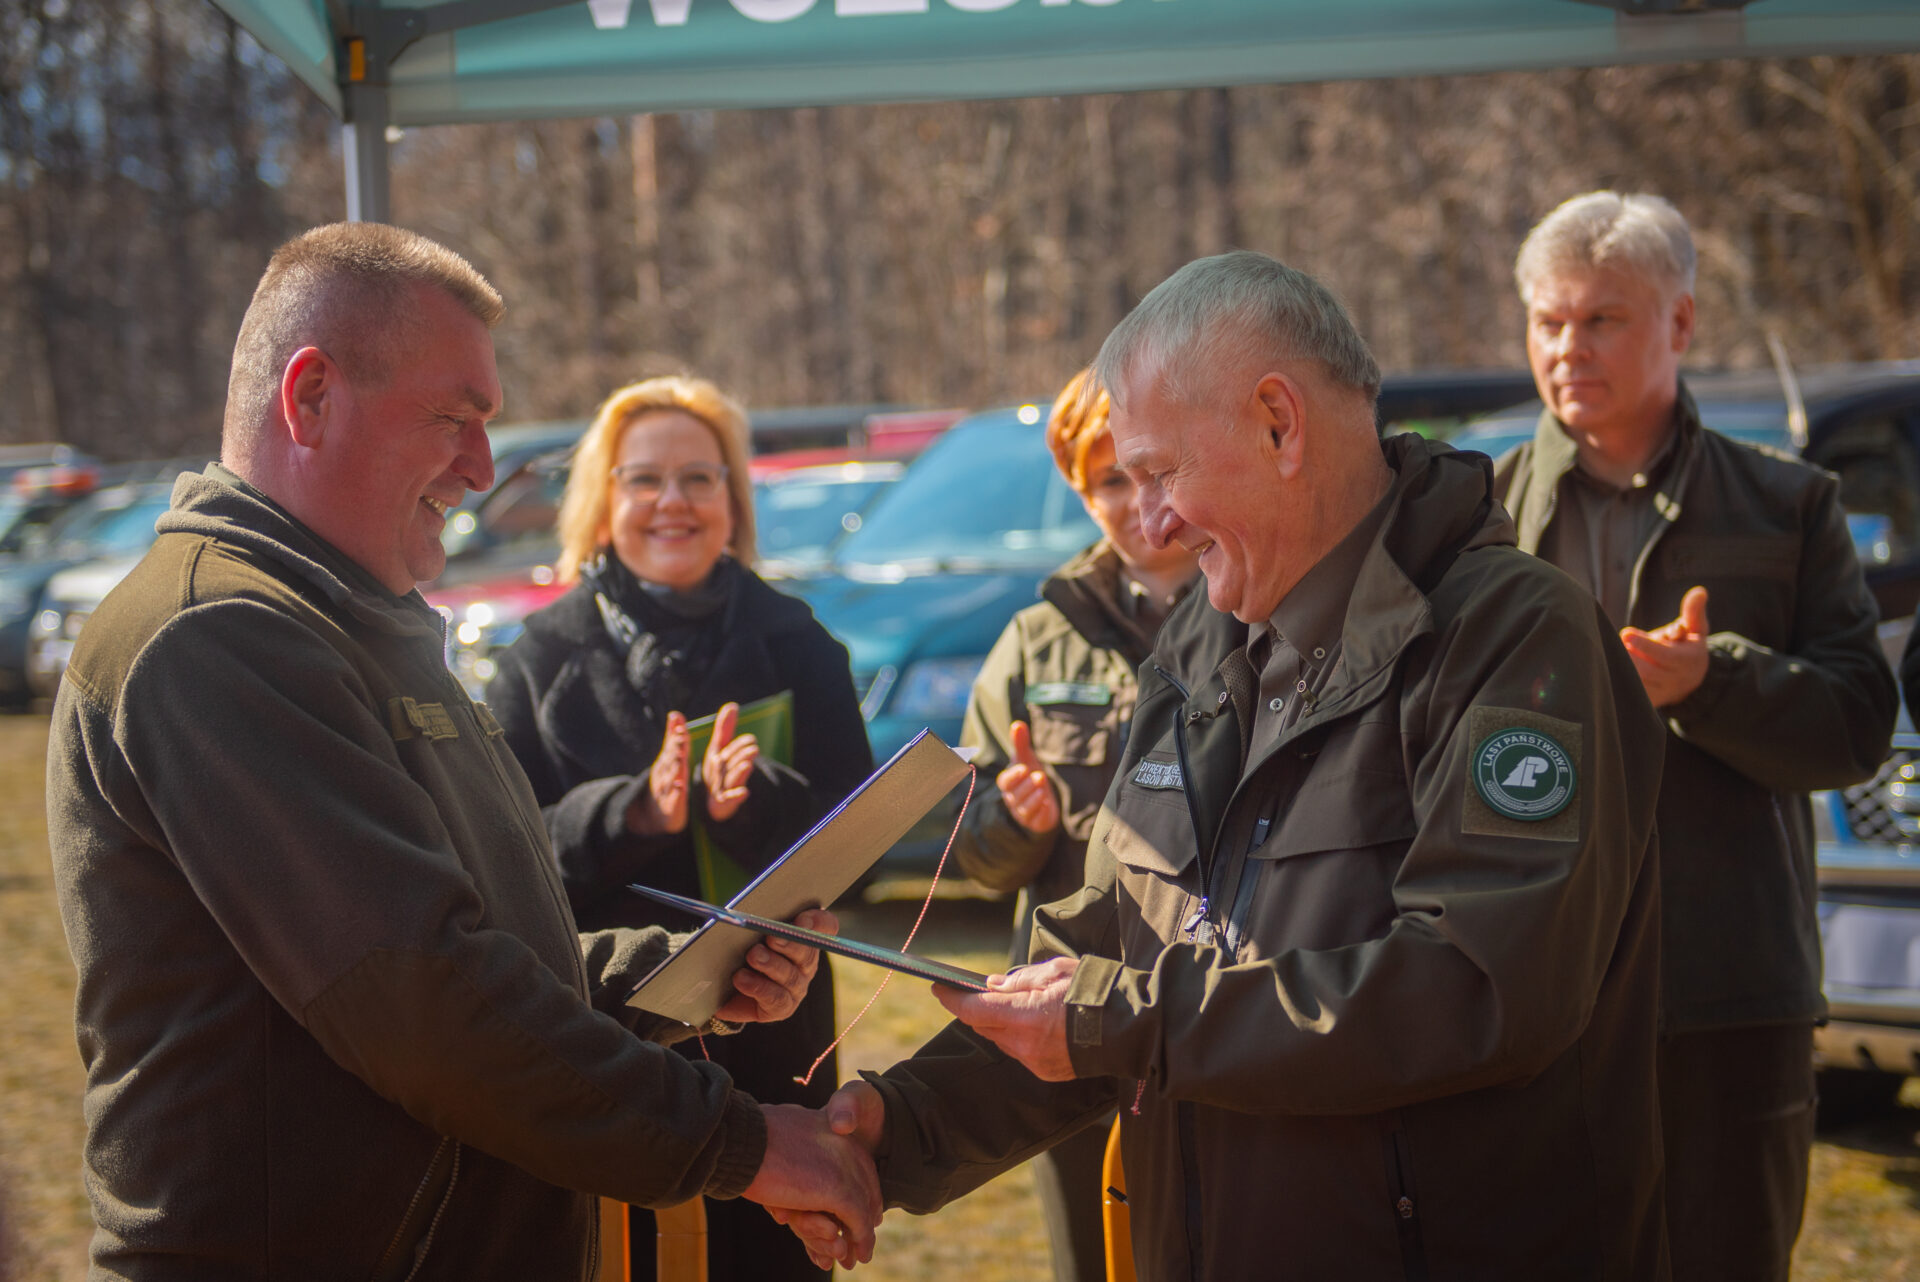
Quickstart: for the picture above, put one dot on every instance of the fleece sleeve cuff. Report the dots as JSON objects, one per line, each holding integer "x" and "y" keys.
{"x": 744, "y": 1136}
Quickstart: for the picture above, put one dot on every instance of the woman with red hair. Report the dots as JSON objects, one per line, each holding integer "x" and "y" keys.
{"x": 1047, "y": 717}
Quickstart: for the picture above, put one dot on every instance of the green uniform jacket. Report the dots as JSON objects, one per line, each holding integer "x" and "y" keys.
{"x": 1798, "y": 696}
{"x": 1412, "y": 1037}
{"x": 1066, "y": 668}
{"x": 336, "y": 1020}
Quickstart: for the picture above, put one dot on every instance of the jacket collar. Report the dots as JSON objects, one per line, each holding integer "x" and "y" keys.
{"x": 1086, "y": 591}
{"x": 1439, "y": 504}
{"x": 1555, "y": 455}
{"x": 218, "y": 504}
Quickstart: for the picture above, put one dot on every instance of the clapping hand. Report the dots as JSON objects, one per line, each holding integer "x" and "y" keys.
{"x": 728, "y": 764}
{"x": 1672, "y": 659}
{"x": 820, "y": 1183}
{"x": 662, "y": 807}
{"x": 1024, "y": 786}
{"x": 769, "y": 987}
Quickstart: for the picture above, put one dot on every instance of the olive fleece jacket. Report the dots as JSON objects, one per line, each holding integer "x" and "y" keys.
{"x": 1361, "y": 1023}
{"x": 335, "y": 1015}
{"x": 1798, "y": 696}
{"x": 1065, "y": 666}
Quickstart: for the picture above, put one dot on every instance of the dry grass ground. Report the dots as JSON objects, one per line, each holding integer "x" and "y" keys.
{"x": 1863, "y": 1217}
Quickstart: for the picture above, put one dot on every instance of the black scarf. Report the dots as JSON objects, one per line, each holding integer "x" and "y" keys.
{"x": 666, "y": 634}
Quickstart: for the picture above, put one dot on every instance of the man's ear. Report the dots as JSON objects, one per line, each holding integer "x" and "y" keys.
{"x": 312, "y": 395}
{"x": 1682, "y": 324}
{"x": 1281, "y": 408}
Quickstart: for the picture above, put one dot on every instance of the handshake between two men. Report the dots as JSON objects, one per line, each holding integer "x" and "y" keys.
{"x": 818, "y": 1177}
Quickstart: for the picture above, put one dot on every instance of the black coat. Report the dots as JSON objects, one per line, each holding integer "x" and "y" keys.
{"x": 586, "y": 737}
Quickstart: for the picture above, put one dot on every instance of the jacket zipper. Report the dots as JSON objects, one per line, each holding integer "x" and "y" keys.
{"x": 1202, "y": 917}
{"x": 1183, "y": 1109}
{"x": 433, "y": 1225}
{"x": 536, "y": 834}
{"x": 1406, "y": 1215}
{"x": 413, "y": 1204}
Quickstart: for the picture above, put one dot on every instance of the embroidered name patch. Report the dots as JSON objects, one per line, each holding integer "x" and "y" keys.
{"x": 1523, "y": 774}
{"x": 409, "y": 717}
{"x": 1084, "y": 693}
{"x": 1159, "y": 774}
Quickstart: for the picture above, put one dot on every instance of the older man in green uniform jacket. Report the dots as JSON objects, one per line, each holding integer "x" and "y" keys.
{"x": 1367, "y": 947}
{"x": 1730, "y": 573}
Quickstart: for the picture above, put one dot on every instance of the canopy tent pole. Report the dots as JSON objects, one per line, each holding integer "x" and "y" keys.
{"x": 370, "y": 39}
{"x": 363, "y": 144}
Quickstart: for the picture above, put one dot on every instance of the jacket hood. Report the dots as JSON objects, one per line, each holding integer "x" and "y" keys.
{"x": 218, "y": 504}
{"x": 1086, "y": 590}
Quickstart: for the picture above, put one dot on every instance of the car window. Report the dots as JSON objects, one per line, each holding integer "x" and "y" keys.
{"x": 985, "y": 495}
{"x": 1879, "y": 486}
{"x": 125, "y": 530}
{"x": 1494, "y": 437}
{"x": 805, "y": 517}
{"x": 522, "y": 509}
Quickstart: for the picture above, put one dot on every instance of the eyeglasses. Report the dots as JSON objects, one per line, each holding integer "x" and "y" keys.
{"x": 697, "y": 482}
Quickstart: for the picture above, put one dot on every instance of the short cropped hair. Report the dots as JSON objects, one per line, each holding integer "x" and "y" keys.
{"x": 342, "y": 288}
{"x": 1637, "y": 232}
{"x": 1078, "y": 421}
{"x": 586, "y": 509}
{"x": 1218, "y": 313}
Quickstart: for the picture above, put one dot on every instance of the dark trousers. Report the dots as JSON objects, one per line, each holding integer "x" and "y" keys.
{"x": 744, "y": 1244}
{"x": 1736, "y": 1112}
{"x": 1067, "y": 1177}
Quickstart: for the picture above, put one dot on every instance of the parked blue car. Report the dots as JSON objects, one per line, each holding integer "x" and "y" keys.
{"x": 940, "y": 564}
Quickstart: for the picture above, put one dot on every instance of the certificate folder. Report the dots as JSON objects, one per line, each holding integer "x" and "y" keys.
{"x": 872, "y": 954}
{"x": 696, "y": 980}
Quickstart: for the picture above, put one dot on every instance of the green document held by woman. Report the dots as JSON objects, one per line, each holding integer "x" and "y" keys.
{"x": 667, "y": 621}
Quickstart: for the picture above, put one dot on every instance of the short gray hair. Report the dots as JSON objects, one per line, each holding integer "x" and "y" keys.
{"x": 1218, "y": 313}
{"x": 342, "y": 288}
{"x": 1637, "y": 232}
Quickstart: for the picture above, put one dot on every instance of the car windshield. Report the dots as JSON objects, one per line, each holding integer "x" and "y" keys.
{"x": 114, "y": 531}
{"x": 986, "y": 495}
{"x": 800, "y": 517}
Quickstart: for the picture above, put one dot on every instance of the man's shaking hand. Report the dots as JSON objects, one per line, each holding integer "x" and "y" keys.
{"x": 820, "y": 1183}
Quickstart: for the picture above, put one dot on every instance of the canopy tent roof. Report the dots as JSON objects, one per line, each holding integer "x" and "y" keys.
{"x": 473, "y": 60}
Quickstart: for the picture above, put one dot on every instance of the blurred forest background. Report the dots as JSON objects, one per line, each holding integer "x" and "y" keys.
{"x": 151, "y": 156}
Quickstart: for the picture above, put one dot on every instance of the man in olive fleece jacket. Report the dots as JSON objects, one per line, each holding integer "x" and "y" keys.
{"x": 335, "y": 1014}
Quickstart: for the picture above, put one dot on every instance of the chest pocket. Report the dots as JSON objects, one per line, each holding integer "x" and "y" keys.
{"x": 1357, "y": 812}
{"x": 1693, "y": 557}
{"x": 1072, "y": 734}
{"x": 1353, "y": 796}
{"x": 1146, "y": 826}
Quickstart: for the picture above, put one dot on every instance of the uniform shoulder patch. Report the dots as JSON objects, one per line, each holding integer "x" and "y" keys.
{"x": 1523, "y": 775}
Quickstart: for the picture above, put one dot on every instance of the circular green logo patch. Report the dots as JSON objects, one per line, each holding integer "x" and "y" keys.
{"x": 1523, "y": 774}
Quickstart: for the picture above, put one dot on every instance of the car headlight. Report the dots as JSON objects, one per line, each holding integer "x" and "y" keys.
{"x": 936, "y": 688}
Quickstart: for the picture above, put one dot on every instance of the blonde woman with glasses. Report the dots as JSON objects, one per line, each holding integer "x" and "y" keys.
{"x": 667, "y": 621}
